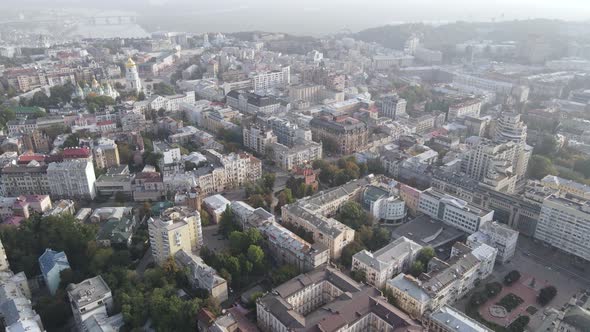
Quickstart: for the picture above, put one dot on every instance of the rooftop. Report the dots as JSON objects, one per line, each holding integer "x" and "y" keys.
{"x": 88, "y": 291}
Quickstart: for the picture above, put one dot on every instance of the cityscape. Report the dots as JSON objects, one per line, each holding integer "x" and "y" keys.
{"x": 175, "y": 166}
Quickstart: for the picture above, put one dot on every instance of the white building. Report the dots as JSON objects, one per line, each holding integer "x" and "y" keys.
{"x": 216, "y": 206}
{"x": 470, "y": 107}
{"x": 72, "y": 178}
{"x": 564, "y": 223}
{"x": 392, "y": 106}
{"x": 386, "y": 262}
{"x": 273, "y": 79}
{"x": 289, "y": 157}
{"x": 453, "y": 211}
{"x": 449, "y": 319}
{"x": 132, "y": 76}
{"x": 89, "y": 298}
{"x": 391, "y": 209}
{"x": 496, "y": 235}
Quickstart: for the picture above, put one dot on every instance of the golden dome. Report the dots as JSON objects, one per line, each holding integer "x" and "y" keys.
{"x": 130, "y": 63}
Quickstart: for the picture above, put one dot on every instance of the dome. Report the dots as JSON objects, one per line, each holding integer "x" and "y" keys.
{"x": 130, "y": 63}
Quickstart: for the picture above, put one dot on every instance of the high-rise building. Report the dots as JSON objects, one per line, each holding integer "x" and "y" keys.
{"x": 72, "y": 179}
{"x": 564, "y": 224}
{"x": 132, "y": 76}
{"x": 392, "y": 106}
{"x": 493, "y": 164}
{"x": 496, "y": 235}
{"x": 258, "y": 138}
{"x": 510, "y": 128}
{"x": 177, "y": 228}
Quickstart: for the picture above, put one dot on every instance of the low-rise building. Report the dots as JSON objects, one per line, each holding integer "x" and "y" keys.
{"x": 216, "y": 205}
{"x": 383, "y": 264}
{"x": 449, "y": 319}
{"x": 201, "y": 275}
{"x": 288, "y": 158}
{"x": 89, "y": 298}
{"x": 51, "y": 264}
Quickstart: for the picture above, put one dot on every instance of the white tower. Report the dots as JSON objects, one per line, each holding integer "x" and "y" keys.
{"x": 132, "y": 76}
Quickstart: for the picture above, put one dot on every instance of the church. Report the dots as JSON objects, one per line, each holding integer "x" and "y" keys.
{"x": 95, "y": 89}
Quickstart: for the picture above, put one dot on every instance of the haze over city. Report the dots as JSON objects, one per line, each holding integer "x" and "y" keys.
{"x": 294, "y": 166}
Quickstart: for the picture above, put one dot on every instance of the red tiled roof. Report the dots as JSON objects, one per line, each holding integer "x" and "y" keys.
{"x": 77, "y": 152}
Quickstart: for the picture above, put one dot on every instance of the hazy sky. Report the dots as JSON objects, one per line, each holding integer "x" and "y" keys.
{"x": 321, "y": 16}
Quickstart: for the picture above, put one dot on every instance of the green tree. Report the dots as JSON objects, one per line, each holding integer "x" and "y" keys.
{"x": 348, "y": 251}
{"x": 205, "y": 218}
{"x": 284, "y": 273}
{"x": 546, "y": 295}
{"x": 228, "y": 224}
{"x": 540, "y": 166}
{"x": 352, "y": 215}
{"x": 546, "y": 146}
{"x": 359, "y": 275}
{"x": 511, "y": 277}
{"x": 238, "y": 242}
{"x": 72, "y": 141}
{"x": 493, "y": 289}
{"x": 417, "y": 268}
{"x": 163, "y": 89}
{"x": 255, "y": 255}
{"x": 425, "y": 255}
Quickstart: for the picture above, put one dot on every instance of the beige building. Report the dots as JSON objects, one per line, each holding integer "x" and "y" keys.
{"x": 106, "y": 153}
{"x": 347, "y": 135}
{"x": 287, "y": 158}
{"x": 201, "y": 275}
{"x": 444, "y": 282}
{"x": 313, "y": 214}
{"x": 325, "y": 299}
{"x": 232, "y": 171}
{"x": 178, "y": 228}
{"x": 258, "y": 139}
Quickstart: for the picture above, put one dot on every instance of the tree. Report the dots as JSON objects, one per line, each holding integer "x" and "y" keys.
{"x": 238, "y": 242}
{"x": 228, "y": 224}
{"x": 511, "y": 277}
{"x": 348, "y": 251}
{"x": 417, "y": 268}
{"x": 205, "y": 218}
{"x": 352, "y": 215}
{"x": 72, "y": 141}
{"x": 540, "y": 166}
{"x": 546, "y": 295}
{"x": 163, "y": 89}
{"x": 359, "y": 275}
{"x": 284, "y": 273}
{"x": 547, "y": 145}
{"x": 255, "y": 255}
{"x": 425, "y": 255}
{"x": 493, "y": 289}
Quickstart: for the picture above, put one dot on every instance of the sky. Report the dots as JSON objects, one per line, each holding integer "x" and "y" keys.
{"x": 327, "y": 16}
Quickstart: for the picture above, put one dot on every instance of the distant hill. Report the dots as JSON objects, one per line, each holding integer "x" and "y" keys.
{"x": 437, "y": 37}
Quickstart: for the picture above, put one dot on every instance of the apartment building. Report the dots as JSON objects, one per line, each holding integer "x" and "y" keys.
{"x": 345, "y": 134}
{"x": 498, "y": 236}
{"x": 106, "y": 153}
{"x": 284, "y": 245}
{"x": 493, "y": 164}
{"x": 392, "y": 106}
{"x": 91, "y": 297}
{"x": 72, "y": 179}
{"x": 177, "y": 228}
{"x": 449, "y": 319}
{"x": 385, "y": 263}
{"x": 444, "y": 282}
{"x": 313, "y": 214}
{"x": 231, "y": 171}
{"x": 29, "y": 179}
{"x": 453, "y": 211}
{"x": 288, "y": 133}
{"x": 272, "y": 79}
{"x": 470, "y": 107}
{"x": 325, "y": 299}
{"x": 171, "y": 161}
{"x": 258, "y": 138}
{"x": 252, "y": 103}
{"x": 201, "y": 275}
{"x": 288, "y": 158}
{"x": 564, "y": 223}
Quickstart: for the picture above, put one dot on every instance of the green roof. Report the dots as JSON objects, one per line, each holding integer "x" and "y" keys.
{"x": 26, "y": 109}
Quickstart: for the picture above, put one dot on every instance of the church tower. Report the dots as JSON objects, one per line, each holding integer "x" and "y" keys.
{"x": 132, "y": 76}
